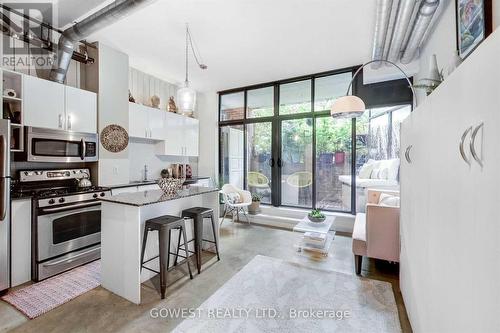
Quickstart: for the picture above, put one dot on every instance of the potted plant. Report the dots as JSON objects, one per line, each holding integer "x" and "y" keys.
{"x": 339, "y": 152}
{"x": 316, "y": 216}
{"x": 254, "y": 207}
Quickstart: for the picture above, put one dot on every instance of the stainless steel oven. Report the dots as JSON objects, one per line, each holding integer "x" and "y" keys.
{"x": 65, "y": 229}
{"x": 49, "y": 145}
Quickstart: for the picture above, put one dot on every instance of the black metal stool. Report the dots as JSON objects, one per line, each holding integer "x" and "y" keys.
{"x": 198, "y": 214}
{"x": 164, "y": 225}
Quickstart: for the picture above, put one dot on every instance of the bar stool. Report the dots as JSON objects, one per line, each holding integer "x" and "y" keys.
{"x": 198, "y": 214}
{"x": 164, "y": 225}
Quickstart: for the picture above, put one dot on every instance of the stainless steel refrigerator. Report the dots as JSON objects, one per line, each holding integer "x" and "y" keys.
{"x": 4, "y": 204}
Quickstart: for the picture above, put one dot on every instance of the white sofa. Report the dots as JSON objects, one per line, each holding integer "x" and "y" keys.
{"x": 374, "y": 179}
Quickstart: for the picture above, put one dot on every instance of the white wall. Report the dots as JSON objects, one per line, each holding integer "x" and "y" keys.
{"x": 207, "y": 113}
{"x": 143, "y": 86}
{"x": 142, "y": 152}
{"x": 442, "y": 40}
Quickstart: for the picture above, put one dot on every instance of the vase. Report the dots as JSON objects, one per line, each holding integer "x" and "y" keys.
{"x": 433, "y": 69}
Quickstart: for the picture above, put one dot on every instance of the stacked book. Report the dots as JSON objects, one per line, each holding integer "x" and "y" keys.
{"x": 314, "y": 239}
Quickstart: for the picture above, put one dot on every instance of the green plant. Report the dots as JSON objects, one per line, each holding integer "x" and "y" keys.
{"x": 316, "y": 213}
{"x": 256, "y": 197}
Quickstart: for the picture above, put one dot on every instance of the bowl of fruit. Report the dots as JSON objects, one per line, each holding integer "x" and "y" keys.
{"x": 316, "y": 216}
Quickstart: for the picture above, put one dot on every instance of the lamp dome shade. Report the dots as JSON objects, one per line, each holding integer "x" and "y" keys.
{"x": 347, "y": 107}
{"x": 186, "y": 99}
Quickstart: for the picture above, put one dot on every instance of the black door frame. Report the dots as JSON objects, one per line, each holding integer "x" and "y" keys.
{"x": 276, "y": 121}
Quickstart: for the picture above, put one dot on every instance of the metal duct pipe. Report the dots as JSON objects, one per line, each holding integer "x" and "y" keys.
{"x": 403, "y": 20}
{"x": 102, "y": 18}
{"x": 422, "y": 22}
{"x": 382, "y": 17}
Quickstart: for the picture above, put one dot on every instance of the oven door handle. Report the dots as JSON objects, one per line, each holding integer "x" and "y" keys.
{"x": 84, "y": 148}
{"x": 62, "y": 209}
{"x": 70, "y": 260}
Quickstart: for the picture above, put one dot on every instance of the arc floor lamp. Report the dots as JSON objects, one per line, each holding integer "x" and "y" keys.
{"x": 350, "y": 106}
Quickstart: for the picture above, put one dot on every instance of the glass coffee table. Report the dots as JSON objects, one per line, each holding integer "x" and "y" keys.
{"x": 320, "y": 228}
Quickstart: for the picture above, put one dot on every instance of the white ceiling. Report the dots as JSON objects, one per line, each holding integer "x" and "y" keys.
{"x": 69, "y": 11}
{"x": 243, "y": 42}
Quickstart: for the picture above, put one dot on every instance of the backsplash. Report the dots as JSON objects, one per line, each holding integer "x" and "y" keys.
{"x": 142, "y": 152}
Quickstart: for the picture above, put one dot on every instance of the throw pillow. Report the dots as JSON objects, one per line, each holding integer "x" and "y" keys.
{"x": 365, "y": 171}
{"x": 383, "y": 173}
{"x": 388, "y": 200}
{"x": 374, "y": 174}
{"x": 234, "y": 198}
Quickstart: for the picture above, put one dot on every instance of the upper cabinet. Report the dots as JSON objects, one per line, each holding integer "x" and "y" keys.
{"x": 81, "y": 110}
{"x": 52, "y": 105}
{"x": 43, "y": 103}
{"x": 146, "y": 122}
{"x": 177, "y": 135}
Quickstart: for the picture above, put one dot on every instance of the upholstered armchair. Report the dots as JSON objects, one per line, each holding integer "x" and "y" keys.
{"x": 230, "y": 206}
{"x": 376, "y": 232}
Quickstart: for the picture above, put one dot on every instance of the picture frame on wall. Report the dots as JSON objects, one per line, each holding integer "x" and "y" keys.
{"x": 474, "y": 24}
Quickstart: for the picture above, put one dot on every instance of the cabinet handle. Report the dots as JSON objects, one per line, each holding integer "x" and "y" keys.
{"x": 407, "y": 153}
{"x": 473, "y": 144}
{"x": 60, "y": 121}
{"x": 69, "y": 122}
{"x": 461, "y": 146}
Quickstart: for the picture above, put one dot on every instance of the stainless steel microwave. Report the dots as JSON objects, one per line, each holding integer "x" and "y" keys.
{"x": 50, "y": 145}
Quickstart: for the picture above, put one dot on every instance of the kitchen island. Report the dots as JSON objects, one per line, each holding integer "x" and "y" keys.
{"x": 123, "y": 218}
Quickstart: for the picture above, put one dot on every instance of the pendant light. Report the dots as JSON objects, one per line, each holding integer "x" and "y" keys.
{"x": 186, "y": 96}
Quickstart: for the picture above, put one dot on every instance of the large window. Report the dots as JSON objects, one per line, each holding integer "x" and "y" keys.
{"x": 279, "y": 142}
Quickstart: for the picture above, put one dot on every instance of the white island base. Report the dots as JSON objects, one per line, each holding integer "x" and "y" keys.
{"x": 122, "y": 225}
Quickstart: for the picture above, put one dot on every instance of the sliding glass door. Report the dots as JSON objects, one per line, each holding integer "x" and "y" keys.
{"x": 295, "y": 162}
{"x": 278, "y": 141}
{"x": 259, "y": 160}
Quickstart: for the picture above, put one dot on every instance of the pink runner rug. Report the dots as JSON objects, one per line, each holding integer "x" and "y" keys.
{"x": 41, "y": 297}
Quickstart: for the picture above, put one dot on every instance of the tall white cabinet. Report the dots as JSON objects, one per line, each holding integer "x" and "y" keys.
{"x": 450, "y": 221}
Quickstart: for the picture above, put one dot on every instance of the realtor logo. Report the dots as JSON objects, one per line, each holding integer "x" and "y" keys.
{"x": 27, "y": 43}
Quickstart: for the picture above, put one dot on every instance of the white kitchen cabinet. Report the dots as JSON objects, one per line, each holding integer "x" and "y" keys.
{"x": 156, "y": 119}
{"x": 129, "y": 189}
{"x": 138, "y": 121}
{"x": 181, "y": 136}
{"x": 43, "y": 103}
{"x": 21, "y": 241}
{"x": 149, "y": 187}
{"x": 191, "y": 136}
{"x": 450, "y": 235}
{"x": 146, "y": 122}
{"x": 81, "y": 110}
{"x": 52, "y": 105}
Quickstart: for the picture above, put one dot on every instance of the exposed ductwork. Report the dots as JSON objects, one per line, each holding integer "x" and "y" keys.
{"x": 400, "y": 28}
{"x": 102, "y": 18}
{"x": 422, "y": 22}
{"x": 382, "y": 17}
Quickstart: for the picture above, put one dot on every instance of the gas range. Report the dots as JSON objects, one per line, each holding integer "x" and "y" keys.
{"x": 52, "y": 187}
{"x": 66, "y": 219}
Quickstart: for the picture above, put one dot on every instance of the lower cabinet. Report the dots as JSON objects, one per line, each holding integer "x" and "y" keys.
{"x": 116, "y": 191}
{"x": 21, "y": 241}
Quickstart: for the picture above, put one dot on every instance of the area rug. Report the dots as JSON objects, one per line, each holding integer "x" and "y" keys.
{"x": 41, "y": 297}
{"x": 273, "y": 295}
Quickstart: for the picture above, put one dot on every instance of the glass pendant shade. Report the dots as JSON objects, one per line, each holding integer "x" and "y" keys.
{"x": 186, "y": 99}
{"x": 348, "y": 107}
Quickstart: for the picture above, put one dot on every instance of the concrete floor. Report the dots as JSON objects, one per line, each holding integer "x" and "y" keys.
{"x": 101, "y": 311}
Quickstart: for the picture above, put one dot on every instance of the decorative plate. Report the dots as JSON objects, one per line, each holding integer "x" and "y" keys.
{"x": 114, "y": 138}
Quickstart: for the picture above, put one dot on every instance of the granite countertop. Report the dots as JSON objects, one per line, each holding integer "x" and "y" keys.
{"x": 156, "y": 196}
{"x": 188, "y": 181}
